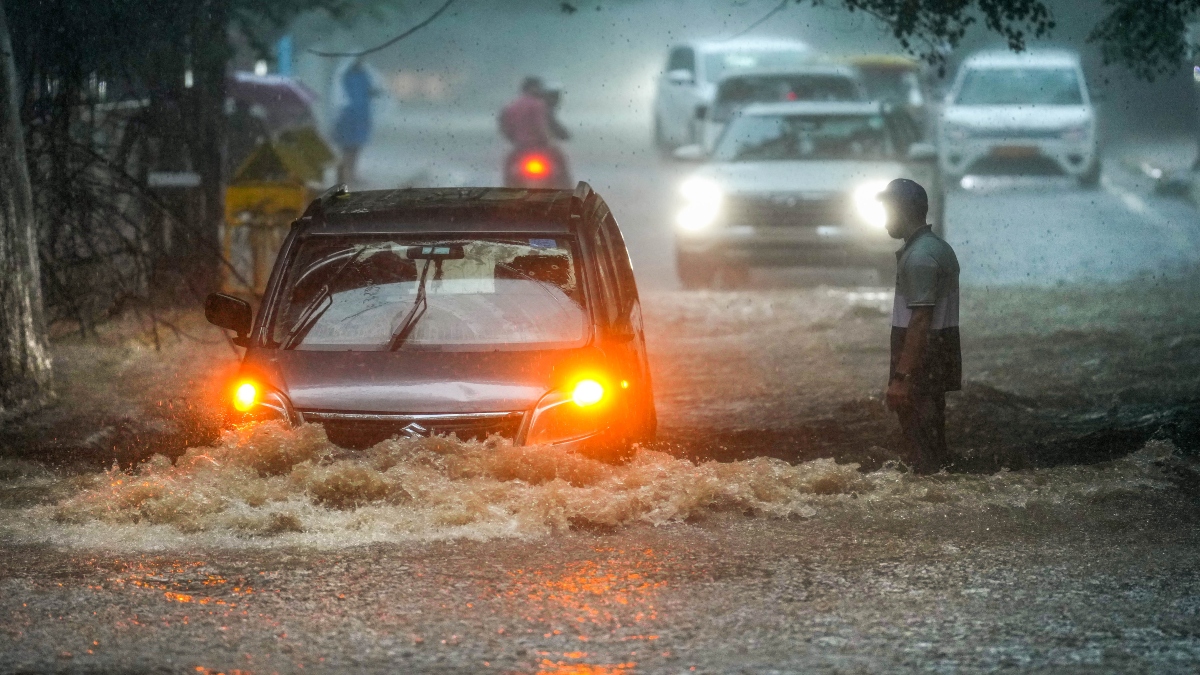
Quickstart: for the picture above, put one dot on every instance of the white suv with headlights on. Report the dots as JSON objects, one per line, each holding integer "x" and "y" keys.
{"x": 688, "y": 84}
{"x": 797, "y": 184}
{"x": 1020, "y": 113}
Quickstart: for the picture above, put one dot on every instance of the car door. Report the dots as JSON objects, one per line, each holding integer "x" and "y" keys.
{"x": 629, "y": 343}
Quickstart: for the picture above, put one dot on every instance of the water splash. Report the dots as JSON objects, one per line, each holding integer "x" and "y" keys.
{"x": 268, "y": 485}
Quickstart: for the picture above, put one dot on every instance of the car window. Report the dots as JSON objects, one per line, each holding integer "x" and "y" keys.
{"x": 720, "y": 64}
{"x": 756, "y": 138}
{"x": 355, "y": 293}
{"x": 894, "y": 85}
{"x": 615, "y": 242}
{"x": 740, "y": 91}
{"x": 681, "y": 58}
{"x": 607, "y": 278}
{"x": 1018, "y": 86}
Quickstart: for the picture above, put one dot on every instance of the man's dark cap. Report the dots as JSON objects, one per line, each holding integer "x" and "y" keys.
{"x": 908, "y": 195}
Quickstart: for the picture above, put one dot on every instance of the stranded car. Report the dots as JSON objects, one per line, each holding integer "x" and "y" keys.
{"x": 817, "y": 82}
{"x": 689, "y": 83}
{"x": 898, "y": 80}
{"x": 450, "y": 311}
{"x": 1020, "y": 113}
{"x": 797, "y": 184}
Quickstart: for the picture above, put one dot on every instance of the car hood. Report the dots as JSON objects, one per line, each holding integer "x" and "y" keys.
{"x": 807, "y": 178}
{"x": 410, "y": 382}
{"x": 1027, "y": 117}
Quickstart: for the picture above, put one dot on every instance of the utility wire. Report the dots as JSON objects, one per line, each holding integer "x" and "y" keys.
{"x": 777, "y": 9}
{"x": 428, "y": 20}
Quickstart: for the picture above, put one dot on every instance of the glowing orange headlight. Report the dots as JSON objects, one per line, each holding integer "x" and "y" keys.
{"x": 245, "y": 396}
{"x": 587, "y": 392}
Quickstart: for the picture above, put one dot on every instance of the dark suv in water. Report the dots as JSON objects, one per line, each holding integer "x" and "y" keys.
{"x": 472, "y": 312}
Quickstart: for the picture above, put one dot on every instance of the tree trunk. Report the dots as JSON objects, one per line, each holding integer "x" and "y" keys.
{"x": 208, "y": 131}
{"x": 25, "y": 374}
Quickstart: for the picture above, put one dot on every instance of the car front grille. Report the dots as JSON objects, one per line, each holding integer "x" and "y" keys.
{"x": 784, "y": 210}
{"x": 362, "y": 430}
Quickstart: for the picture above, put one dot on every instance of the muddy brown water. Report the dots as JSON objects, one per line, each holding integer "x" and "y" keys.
{"x": 770, "y": 528}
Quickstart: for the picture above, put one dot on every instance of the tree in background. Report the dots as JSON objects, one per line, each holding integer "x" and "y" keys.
{"x": 25, "y": 374}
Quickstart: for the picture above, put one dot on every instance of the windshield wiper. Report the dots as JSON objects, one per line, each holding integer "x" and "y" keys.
{"x": 400, "y": 335}
{"x": 316, "y": 307}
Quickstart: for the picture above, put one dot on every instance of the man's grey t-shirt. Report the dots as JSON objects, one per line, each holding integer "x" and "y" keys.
{"x": 927, "y": 276}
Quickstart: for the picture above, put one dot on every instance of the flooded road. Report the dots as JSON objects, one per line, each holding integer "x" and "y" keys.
{"x": 769, "y": 530}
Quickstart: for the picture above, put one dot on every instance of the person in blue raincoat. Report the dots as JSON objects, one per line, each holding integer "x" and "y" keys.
{"x": 352, "y": 130}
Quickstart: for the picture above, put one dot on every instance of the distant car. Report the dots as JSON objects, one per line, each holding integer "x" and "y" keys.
{"x": 450, "y": 311}
{"x": 898, "y": 80}
{"x": 796, "y": 184}
{"x": 815, "y": 82}
{"x": 688, "y": 84}
{"x": 1020, "y": 113}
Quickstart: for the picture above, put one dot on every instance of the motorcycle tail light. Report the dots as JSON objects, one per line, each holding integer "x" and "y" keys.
{"x": 535, "y": 166}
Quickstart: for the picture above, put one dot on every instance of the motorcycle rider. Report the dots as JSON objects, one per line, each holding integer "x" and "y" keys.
{"x": 530, "y": 125}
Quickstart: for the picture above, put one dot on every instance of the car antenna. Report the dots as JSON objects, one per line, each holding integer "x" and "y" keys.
{"x": 322, "y": 203}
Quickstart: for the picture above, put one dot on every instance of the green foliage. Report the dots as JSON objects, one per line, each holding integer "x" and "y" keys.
{"x": 1147, "y": 36}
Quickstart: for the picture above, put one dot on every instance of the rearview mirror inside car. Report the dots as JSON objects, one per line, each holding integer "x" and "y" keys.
{"x": 680, "y": 76}
{"x": 922, "y": 152}
{"x": 230, "y": 313}
{"x": 689, "y": 153}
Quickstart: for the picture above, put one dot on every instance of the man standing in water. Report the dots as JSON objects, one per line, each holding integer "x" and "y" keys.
{"x": 926, "y": 357}
{"x": 352, "y": 129}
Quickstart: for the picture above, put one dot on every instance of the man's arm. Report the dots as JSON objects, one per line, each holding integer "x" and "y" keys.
{"x": 899, "y": 392}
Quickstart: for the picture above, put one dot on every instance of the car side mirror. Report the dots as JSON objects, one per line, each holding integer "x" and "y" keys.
{"x": 689, "y": 153}
{"x": 230, "y": 313}
{"x": 680, "y": 76}
{"x": 922, "y": 152}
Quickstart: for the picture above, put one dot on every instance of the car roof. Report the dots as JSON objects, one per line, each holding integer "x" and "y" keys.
{"x": 998, "y": 58}
{"x": 896, "y": 61}
{"x": 813, "y": 108}
{"x": 458, "y": 210}
{"x": 770, "y": 44}
{"x": 849, "y": 72}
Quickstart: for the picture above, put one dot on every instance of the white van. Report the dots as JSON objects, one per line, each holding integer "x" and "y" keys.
{"x": 688, "y": 84}
{"x": 1026, "y": 112}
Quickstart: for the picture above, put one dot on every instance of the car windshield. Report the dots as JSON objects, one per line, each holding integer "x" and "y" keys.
{"x": 740, "y": 91}
{"x": 756, "y": 138}
{"x": 719, "y": 64}
{"x": 1020, "y": 86}
{"x": 895, "y": 85}
{"x": 397, "y": 292}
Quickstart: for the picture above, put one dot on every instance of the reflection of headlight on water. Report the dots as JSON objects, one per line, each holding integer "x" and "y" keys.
{"x": 868, "y": 206}
{"x": 703, "y": 202}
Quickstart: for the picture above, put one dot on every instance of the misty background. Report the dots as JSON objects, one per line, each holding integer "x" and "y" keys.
{"x": 608, "y": 53}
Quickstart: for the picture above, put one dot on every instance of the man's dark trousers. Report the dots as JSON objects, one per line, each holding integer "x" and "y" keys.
{"x": 923, "y": 425}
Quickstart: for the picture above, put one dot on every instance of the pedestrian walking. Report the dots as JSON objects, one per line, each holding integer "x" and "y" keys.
{"x": 926, "y": 356}
{"x": 352, "y": 130}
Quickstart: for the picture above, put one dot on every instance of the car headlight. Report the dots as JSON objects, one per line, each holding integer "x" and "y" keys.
{"x": 569, "y": 414}
{"x": 252, "y": 402}
{"x": 868, "y": 206}
{"x": 702, "y": 204}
